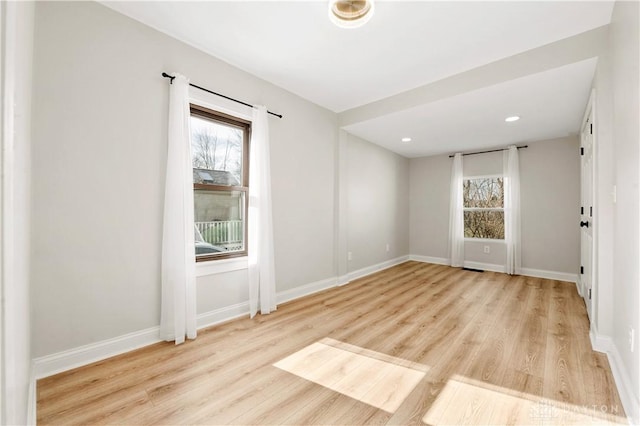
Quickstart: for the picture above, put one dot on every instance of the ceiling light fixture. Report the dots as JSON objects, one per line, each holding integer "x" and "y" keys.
{"x": 350, "y": 13}
{"x": 406, "y": 139}
{"x": 512, "y": 119}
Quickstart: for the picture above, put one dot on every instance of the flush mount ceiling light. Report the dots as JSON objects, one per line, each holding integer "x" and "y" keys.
{"x": 350, "y": 13}
{"x": 406, "y": 139}
{"x": 512, "y": 119}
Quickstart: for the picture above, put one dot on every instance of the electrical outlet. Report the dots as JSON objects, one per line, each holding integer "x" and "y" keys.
{"x": 349, "y": 256}
{"x": 632, "y": 337}
{"x": 487, "y": 249}
{"x": 387, "y": 246}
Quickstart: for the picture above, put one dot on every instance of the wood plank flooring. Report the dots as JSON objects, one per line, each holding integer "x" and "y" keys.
{"x": 414, "y": 344}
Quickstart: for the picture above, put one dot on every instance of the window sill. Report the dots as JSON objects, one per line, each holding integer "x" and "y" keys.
{"x": 213, "y": 267}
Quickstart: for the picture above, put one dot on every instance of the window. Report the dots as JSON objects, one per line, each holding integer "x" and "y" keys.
{"x": 220, "y": 159}
{"x": 484, "y": 207}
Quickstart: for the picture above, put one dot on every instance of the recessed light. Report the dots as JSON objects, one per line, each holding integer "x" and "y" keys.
{"x": 512, "y": 118}
{"x": 406, "y": 139}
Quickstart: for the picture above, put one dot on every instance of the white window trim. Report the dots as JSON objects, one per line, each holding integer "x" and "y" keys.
{"x": 483, "y": 240}
{"x": 220, "y": 266}
{"x": 482, "y": 177}
{"x": 498, "y": 209}
{"x": 215, "y": 103}
{"x": 204, "y": 99}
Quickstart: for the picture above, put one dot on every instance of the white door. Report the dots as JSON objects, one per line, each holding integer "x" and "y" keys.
{"x": 586, "y": 211}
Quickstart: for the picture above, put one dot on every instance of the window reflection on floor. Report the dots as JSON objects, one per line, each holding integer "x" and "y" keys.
{"x": 385, "y": 382}
{"x": 465, "y": 401}
{"x": 367, "y": 376}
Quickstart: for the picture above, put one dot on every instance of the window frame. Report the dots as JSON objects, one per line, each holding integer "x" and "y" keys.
{"x": 498, "y": 209}
{"x": 227, "y": 119}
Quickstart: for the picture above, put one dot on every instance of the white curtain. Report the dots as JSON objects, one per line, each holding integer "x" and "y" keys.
{"x": 512, "y": 210}
{"x": 456, "y": 214}
{"x": 262, "y": 282}
{"x": 178, "y": 310}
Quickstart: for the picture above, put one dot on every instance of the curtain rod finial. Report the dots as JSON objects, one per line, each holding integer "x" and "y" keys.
{"x": 165, "y": 75}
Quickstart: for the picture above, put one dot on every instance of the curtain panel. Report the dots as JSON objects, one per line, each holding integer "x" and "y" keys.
{"x": 512, "y": 236}
{"x": 178, "y": 305}
{"x": 456, "y": 214}
{"x": 262, "y": 282}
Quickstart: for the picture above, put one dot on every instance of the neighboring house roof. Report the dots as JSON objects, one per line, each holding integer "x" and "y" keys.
{"x": 214, "y": 177}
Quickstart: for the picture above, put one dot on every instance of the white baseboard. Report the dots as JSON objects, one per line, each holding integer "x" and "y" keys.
{"x": 625, "y": 389}
{"x": 377, "y": 268}
{"x": 467, "y": 263}
{"x": 484, "y": 266}
{"x": 77, "y": 357}
{"x": 579, "y": 285}
{"x": 550, "y": 275}
{"x": 343, "y": 279}
{"x": 529, "y": 272}
{"x": 429, "y": 259}
{"x": 305, "y": 290}
{"x": 66, "y": 360}
{"x": 227, "y": 313}
{"x": 599, "y": 343}
{"x": 630, "y": 402}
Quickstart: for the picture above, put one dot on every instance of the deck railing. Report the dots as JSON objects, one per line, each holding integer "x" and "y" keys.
{"x": 225, "y": 233}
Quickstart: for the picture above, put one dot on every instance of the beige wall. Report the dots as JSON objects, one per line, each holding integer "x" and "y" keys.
{"x": 550, "y": 196}
{"x": 429, "y": 181}
{"x": 603, "y": 206}
{"x": 99, "y": 124}
{"x": 625, "y": 61}
{"x": 377, "y": 204}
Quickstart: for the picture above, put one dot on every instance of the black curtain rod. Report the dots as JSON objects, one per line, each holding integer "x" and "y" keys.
{"x": 493, "y": 150}
{"x": 165, "y": 75}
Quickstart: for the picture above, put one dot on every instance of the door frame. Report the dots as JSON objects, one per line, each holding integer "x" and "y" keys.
{"x": 591, "y": 110}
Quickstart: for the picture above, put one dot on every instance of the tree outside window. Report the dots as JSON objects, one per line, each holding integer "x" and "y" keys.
{"x": 484, "y": 207}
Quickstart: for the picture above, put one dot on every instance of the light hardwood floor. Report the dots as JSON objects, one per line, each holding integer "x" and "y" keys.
{"x": 417, "y": 343}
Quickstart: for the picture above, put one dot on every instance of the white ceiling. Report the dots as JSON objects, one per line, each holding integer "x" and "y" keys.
{"x": 406, "y": 45}
{"x": 551, "y": 104}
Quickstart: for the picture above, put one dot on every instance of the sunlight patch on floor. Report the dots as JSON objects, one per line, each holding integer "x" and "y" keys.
{"x": 465, "y": 401}
{"x": 370, "y": 377}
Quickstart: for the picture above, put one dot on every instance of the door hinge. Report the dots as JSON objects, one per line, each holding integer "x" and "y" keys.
{"x": 581, "y": 150}
{"x": 591, "y": 128}
{"x": 582, "y": 270}
{"x": 581, "y": 210}
{"x": 590, "y": 211}
{"x": 589, "y": 294}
